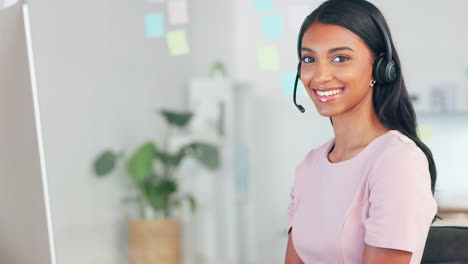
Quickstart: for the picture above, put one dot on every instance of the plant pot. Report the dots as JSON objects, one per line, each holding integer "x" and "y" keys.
{"x": 154, "y": 241}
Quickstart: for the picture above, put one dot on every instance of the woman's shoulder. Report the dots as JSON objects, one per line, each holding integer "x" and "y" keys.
{"x": 398, "y": 147}
{"x": 315, "y": 151}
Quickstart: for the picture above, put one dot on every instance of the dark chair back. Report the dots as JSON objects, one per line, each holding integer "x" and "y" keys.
{"x": 446, "y": 245}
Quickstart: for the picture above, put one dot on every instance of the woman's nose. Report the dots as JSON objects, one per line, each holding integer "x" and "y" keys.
{"x": 322, "y": 74}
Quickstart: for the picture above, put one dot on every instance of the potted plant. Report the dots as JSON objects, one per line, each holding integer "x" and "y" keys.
{"x": 151, "y": 168}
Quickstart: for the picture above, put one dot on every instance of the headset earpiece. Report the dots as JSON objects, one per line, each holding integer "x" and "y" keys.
{"x": 390, "y": 71}
{"x": 376, "y": 69}
{"x": 383, "y": 71}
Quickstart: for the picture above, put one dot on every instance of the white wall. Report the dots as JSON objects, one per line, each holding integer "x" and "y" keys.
{"x": 100, "y": 81}
{"x": 449, "y": 146}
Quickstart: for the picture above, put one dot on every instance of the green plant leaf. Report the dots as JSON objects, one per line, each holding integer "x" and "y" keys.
{"x": 179, "y": 156}
{"x": 206, "y": 154}
{"x": 166, "y": 187}
{"x": 179, "y": 119}
{"x": 155, "y": 200}
{"x": 140, "y": 164}
{"x": 170, "y": 159}
{"x": 158, "y": 193}
{"x": 164, "y": 157}
{"x": 105, "y": 163}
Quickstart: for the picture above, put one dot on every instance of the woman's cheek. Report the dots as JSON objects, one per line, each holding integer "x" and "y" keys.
{"x": 348, "y": 75}
{"x": 306, "y": 76}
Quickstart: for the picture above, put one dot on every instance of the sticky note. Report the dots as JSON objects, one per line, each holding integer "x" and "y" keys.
{"x": 295, "y": 17}
{"x": 154, "y": 25}
{"x": 177, "y": 11}
{"x": 8, "y": 3}
{"x": 466, "y": 72}
{"x": 264, "y": 5}
{"x": 272, "y": 27}
{"x": 177, "y": 42}
{"x": 424, "y": 132}
{"x": 268, "y": 58}
{"x": 287, "y": 80}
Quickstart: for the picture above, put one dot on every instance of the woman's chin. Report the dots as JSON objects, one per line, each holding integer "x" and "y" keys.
{"x": 326, "y": 113}
{"x": 327, "y": 110}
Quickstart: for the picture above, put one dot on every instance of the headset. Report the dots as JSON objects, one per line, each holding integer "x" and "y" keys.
{"x": 384, "y": 70}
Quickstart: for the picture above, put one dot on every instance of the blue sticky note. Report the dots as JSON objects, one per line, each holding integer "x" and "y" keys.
{"x": 287, "y": 83}
{"x": 466, "y": 72}
{"x": 154, "y": 25}
{"x": 272, "y": 27}
{"x": 264, "y": 5}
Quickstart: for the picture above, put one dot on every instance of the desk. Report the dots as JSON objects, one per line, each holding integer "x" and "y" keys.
{"x": 452, "y": 217}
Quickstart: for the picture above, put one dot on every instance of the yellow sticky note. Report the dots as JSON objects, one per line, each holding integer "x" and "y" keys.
{"x": 177, "y": 42}
{"x": 424, "y": 132}
{"x": 268, "y": 58}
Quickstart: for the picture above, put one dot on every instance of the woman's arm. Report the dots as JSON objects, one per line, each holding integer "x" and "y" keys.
{"x": 291, "y": 254}
{"x": 385, "y": 255}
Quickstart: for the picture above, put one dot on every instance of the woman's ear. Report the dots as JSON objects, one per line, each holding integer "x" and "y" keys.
{"x": 381, "y": 54}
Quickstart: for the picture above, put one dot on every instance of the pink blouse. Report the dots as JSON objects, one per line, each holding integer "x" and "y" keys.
{"x": 381, "y": 197}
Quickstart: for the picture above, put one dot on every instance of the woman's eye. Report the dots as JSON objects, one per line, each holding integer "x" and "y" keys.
{"x": 307, "y": 59}
{"x": 344, "y": 58}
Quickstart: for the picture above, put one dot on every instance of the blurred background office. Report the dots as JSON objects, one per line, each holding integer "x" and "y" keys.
{"x": 105, "y": 69}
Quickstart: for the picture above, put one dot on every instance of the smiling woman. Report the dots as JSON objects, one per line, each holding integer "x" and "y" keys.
{"x": 346, "y": 65}
{"x": 366, "y": 195}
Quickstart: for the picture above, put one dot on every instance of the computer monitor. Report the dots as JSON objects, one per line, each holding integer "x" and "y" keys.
{"x": 25, "y": 222}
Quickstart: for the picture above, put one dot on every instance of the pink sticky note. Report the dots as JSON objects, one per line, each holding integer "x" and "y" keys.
{"x": 177, "y": 11}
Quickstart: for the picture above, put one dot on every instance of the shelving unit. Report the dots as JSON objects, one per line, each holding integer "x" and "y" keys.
{"x": 223, "y": 225}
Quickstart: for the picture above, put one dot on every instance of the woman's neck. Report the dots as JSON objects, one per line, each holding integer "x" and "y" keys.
{"x": 352, "y": 134}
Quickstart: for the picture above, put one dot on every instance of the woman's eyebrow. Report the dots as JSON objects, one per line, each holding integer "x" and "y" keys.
{"x": 329, "y": 51}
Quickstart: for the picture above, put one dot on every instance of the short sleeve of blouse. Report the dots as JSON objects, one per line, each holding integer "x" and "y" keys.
{"x": 401, "y": 205}
{"x": 293, "y": 191}
{"x": 291, "y": 208}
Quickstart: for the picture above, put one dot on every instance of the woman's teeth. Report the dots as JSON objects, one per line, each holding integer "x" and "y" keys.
{"x": 329, "y": 92}
{"x": 328, "y": 95}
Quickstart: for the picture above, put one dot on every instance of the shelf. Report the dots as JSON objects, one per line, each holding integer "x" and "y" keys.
{"x": 458, "y": 113}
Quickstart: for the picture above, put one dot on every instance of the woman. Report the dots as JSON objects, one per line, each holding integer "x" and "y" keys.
{"x": 365, "y": 196}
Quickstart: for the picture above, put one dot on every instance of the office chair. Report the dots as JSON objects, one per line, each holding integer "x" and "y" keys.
{"x": 446, "y": 245}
